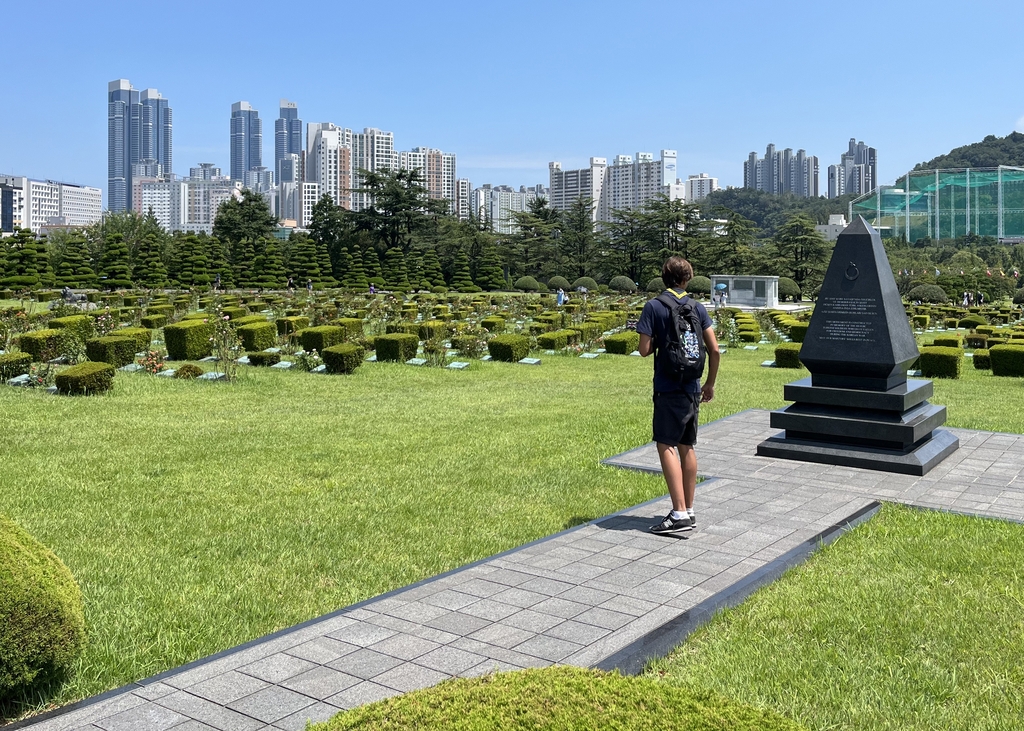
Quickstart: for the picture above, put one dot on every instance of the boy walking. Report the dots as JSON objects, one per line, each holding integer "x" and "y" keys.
{"x": 676, "y": 402}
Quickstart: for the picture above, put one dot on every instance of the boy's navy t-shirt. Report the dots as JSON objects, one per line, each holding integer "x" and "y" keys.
{"x": 655, "y": 322}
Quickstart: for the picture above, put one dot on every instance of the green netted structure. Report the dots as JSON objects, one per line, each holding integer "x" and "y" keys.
{"x": 946, "y": 204}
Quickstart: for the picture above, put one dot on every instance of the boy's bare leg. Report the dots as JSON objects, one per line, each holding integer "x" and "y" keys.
{"x": 679, "y": 465}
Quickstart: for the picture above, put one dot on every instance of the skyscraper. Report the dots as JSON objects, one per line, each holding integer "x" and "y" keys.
{"x": 246, "y": 140}
{"x": 782, "y": 171}
{"x": 287, "y": 135}
{"x": 139, "y": 130}
{"x": 857, "y": 171}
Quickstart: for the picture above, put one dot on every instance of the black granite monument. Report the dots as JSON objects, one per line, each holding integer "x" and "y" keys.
{"x": 858, "y": 409}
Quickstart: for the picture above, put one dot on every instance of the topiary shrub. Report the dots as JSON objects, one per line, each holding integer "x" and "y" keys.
{"x": 948, "y": 341}
{"x": 526, "y": 284}
{"x": 153, "y": 322}
{"x": 699, "y": 286}
{"x": 556, "y": 339}
{"x": 80, "y": 325}
{"x": 787, "y": 355}
{"x": 431, "y": 329}
{"x": 234, "y": 313}
{"x": 921, "y": 321}
{"x": 352, "y": 326}
{"x": 493, "y": 324}
{"x": 257, "y": 335}
{"x": 928, "y": 293}
{"x": 972, "y": 321}
{"x": 469, "y": 346}
{"x": 622, "y": 343}
{"x": 941, "y": 362}
{"x": 42, "y": 622}
{"x": 189, "y": 339}
{"x": 14, "y": 364}
{"x": 974, "y": 340}
{"x": 320, "y": 338}
{"x": 1007, "y": 360}
{"x": 247, "y": 320}
{"x": 344, "y": 358}
{"x": 86, "y": 378}
{"x": 556, "y": 283}
{"x": 289, "y": 325}
{"x": 585, "y": 282}
{"x": 656, "y": 285}
{"x": 622, "y": 284}
{"x": 188, "y": 371}
{"x": 949, "y": 323}
{"x": 981, "y": 359}
{"x": 263, "y": 359}
{"x": 798, "y": 331}
{"x": 589, "y": 331}
{"x": 142, "y": 336}
{"x": 749, "y": 336}
{"x": 509, "y": 348}
{"x": 40, "y": 344}
{"x": 396, "y": 347}
{"x": 116, "y": 350}
{"x": 788, "y": 288}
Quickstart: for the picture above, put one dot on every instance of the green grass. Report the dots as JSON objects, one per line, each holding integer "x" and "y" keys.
{"x": 559, "y": 698}
{"x": 914, "y": 620}
{"x": 197, "y": 516}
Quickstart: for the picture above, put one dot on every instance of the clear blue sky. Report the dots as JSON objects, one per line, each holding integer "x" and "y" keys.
{"x": 510, "y": 86}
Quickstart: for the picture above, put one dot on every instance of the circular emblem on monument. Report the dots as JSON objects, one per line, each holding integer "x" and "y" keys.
{"x": 852, "y": 272}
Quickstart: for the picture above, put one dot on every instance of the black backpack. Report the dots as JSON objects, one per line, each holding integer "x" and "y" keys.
{"x": 685, "y": 346}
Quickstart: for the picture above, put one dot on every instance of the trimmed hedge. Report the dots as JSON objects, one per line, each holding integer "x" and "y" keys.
{"x": 80, "y": 325}
{"x": 42, "y": 621}
{"x": 798, "y": 331}
{"x": 40, "y": 343}
{"x": 1007, "y": 360}
{"x": 154, "y": 322}
{"x": 289, "y": 325}
{"x": 14, "y": 364}
{"x": 557, "y": 339}
{"x": 396, "y": 347}
{"x": 263, "y": 359}
{"x": 972, "y": 321}
{"x": 921, "y": 321}
{"x": 981, "y": 359}
{"x": 787, "y": 355}
{"x": 188, "y": 371}
{"x": 257, "y": 335}
{"x": 975, "y": 340}
{"x": 493, "y": 324}
{"x": 319, "y": 338}
{"x": 142, "y": 336}
{"x": 941, "y": 362}
{"x": 588, "y": 331}
{"x": 431, "y": 329}
{"x": 948, "y": 341}
{"x": 247, "y": 320}
{"x": 352, "y": 326}
{"x": 622, "y": 343}
{"x": 235, "y": 313}
{"x": 344, "y": 358}
{"x": 189, "y": 339}
{"x": 509, "y": 348}
{"x": 117, "y": 350}
{"x": 86, "y": 378}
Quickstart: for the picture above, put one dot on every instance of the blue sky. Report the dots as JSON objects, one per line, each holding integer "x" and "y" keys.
{"x": 511, "y": 86}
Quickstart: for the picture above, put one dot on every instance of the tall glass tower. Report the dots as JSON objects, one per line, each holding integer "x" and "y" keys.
{"x": 156, "y": 129}
{"x": 138, "y": 130}
{"x": 287, "y": 135}
{"x": 246, "y": 140}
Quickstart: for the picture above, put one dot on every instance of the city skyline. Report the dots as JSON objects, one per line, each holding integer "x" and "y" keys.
{"x": 505, "y": 133}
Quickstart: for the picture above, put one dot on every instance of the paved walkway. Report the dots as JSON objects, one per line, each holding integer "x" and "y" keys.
{"x": 605, "y": 594}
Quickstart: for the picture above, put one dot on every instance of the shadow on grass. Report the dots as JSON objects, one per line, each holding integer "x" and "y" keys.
{"x": 32, "y": 700}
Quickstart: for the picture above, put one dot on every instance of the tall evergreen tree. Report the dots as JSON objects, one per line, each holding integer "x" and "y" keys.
{"x": 327, "y": 270}
{"x": 431, "y": 269}
{"x": 355, "y": 274}
{"x": 114, "y": 269}
{"x": 217, "y": 263}
{"x": 243, "y": 258}
{"x": 22, "y": 266}
{"x": 801, "y": 253}
{"x": 396, "y": 276}
{"x": 268, "y": 268}
{"x": 578, "y": 244}
{"x": 46, "y": 275}
{"x": 462, "y": 279}
{"x": 372, "y": 263}
{"x": 489, "y": 274}
{"x": 149, "y": 266}
{"x": 193, "y": 265}
{"x": 303, "y": 264}
{"x": 328, "y": 228}
{"x": 247, "y": 217}
{"x": 74, "y": 270}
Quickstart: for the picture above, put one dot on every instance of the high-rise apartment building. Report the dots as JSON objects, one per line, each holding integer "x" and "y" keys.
{"x": 373, "y": 149}
{"x": 36, "y": 204}
{"x": 629, "y": 182}
{"x": 566, "y": 186}
{"x": 463, "y": 199}
{"x": 205, "y": 171}
{"x": 497, "y": 203}
{"x": 139, "y": 131}
{"x": 329, "y": 161}
{"x": 782, "y": 171}
{"x": 287, "y": 134}
{"x": 857, "y": 171}
{"x": 699, "y": 186}
{"x": 437, "y": 169}
{"x": 190, "y": 204}
{"x": 246, "y": 140}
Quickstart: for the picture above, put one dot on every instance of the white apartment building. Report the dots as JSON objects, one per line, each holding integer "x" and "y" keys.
{"x": 33, "y": 204}
{"x": 699, "y": 186}
{"x": 373, "y": 149}
{"x": 463, "y": 199}
{"x": 307, "y": 194}
{"x": 438, "y": 170}
{"x": 625, "y": 184}
{"x": 497, "y": 204}
{"x": 185, "y": 205}
{"x": 567, "y": 185}
{"x": 329, "y": 161}
{"x": 167, "y": 199}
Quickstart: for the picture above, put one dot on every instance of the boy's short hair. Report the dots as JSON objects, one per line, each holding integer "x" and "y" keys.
{"x": 676, "y": 272}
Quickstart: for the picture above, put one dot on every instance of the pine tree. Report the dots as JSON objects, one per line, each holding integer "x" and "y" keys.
{"x": 431, "y": 270}
{"x": 489, "y": 273}
{"x": 193, "y": 271}
{"x": 355, "y": 274}
{"x": 149, "y": 267}
{"x": 74, "y": 270}
{"x": 268, "y": 271}
{"x": 22, "y": 261}
{"x": 217, "y": 258}
{"x": 302, "y": 264}
{"x": 371, "y": 262}
{"x": 461, "y": 277}
{"x": 327, "y": 272}
{"x": 396, "y": 276}
{"x": 414, "y": 270}
{"x": 46, "y": 276}
{"x": 243, "y": 262}
{"x": 114, "y": 269}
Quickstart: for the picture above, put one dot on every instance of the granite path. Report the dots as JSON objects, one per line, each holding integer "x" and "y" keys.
{"x": 605, "y": 594}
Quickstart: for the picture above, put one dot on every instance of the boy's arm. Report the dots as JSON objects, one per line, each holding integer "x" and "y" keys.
{"x": 646, "y": 345}
{"x": 707, "y": 391}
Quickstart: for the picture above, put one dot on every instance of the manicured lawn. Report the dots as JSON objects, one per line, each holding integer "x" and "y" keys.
{"x": 197, "y": 516}
{"x": 912, "y": 621}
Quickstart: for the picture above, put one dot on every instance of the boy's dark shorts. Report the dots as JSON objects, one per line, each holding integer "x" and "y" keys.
{"x": 675, "y": 417}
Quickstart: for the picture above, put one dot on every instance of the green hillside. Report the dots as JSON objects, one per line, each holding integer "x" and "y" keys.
{"x": 988, "y": 153}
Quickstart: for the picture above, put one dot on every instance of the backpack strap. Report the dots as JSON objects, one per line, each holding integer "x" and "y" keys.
{"x": 671, "y": 302}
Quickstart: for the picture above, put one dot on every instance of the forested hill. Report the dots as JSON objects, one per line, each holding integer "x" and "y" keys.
{"x": 988, "y": 153}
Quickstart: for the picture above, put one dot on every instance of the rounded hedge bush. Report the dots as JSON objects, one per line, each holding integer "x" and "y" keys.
{"x": 972, "y": 321}
{"x": 699, "y": 285}
{"x": 42, "y": 623}
{"x": 788, "y": 288}
{"x": 526, "y": 284}
{"x": 557, "y": 283}
{"x": 928, "y": 293}
{"x": 188, "y": 371}
{"x": 622, "y": 284}
{"x": 587, "y": 282}
{"x": 656, "y": 285}
{"x": 86, "y": 378}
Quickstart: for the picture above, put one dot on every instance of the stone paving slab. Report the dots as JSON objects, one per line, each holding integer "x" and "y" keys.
{"x": 580, "y": 597}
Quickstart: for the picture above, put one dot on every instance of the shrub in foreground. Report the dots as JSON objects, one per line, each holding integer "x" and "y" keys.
{"x": 41, "y": 344}
{"x": 982, "y": 362}
{"x": 188, "y": 371}
{"x": 42, "y": 623}
{"x": 116, "y": 350}
{"x": 14, "y": 364}
{"x": 557, "y": 339}
{"x": 787, "y": 355}
{"x": 941, "y": 362}
{"x": 257, "y": 335}
{"x": 509, "y": 348}
{"x": 344, "y": 358}
{"x": 86, "y": 378}
{"x": 396, "y": 347}
{"x": 321, "y": 338}
{"x": 1007, "y": 360}
{"x": 622, "y": 343}
{"x": 263, "y": 359}
{"x": 189, "y": 339}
